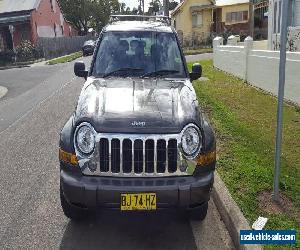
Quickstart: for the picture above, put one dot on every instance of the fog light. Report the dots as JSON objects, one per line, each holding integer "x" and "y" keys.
{"x": 183, "y": 166}
{"x": 92, "y": 166}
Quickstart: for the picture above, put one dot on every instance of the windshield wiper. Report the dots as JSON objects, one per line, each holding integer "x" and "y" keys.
{"x": 122, "y": 70}
{"x": 160, "y": 72}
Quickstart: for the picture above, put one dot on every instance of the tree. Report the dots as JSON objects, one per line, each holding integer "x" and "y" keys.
{"x": 85, "y": 14}
{"x": 123, "y": 8}
{"x": 128, "y": 11}
{"x": 172, "y": 5}
{"x": 154, "y": 7}
{"x": 102, "y": 11}
{"x": 134, "y": 11}
{"x": 77, "y": 12}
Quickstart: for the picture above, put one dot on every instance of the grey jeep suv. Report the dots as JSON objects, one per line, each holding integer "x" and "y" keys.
{"x": 137, "y": 140}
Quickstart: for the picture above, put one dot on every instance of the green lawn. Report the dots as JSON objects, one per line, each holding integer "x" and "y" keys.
{"x": 244, "y": 119}
{"x": 64, "y": 59}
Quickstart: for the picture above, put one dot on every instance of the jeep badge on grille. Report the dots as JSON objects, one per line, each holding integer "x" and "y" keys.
{"x": 138, "y": 124}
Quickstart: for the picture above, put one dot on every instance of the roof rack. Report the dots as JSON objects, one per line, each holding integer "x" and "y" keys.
{"x": 163, "y": 19}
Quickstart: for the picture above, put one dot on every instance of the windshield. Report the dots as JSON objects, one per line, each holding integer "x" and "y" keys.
{"x": 139, "y": 54}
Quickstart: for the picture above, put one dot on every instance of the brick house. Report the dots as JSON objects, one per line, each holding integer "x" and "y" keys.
{"x": 29, "y": 20}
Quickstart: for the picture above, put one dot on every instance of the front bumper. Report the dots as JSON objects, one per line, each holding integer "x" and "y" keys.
{"x": 91, "y": 192}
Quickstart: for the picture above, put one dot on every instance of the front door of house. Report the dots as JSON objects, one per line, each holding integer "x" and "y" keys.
{"x": 7, "y": 39}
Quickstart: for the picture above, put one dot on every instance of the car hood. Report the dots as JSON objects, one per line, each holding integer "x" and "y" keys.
{"x": 137, "y": 105}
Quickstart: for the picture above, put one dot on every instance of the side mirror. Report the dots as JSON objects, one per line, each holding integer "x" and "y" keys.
{"x": 196, "y": 72}
{"x": 79, "y": 70}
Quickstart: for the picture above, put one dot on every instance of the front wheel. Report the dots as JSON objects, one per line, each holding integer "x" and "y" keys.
{"x": 198, "y": 213}
{"x": 71, "y": 211}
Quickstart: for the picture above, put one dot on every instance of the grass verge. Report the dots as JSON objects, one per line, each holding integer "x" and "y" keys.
{"x": 245, "y": 120}
{"x": 64, "y": 59}
{"x": 189, "y": 52}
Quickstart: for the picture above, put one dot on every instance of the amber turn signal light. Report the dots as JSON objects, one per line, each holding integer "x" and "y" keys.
{"x": 206, "y": 158}
{"x": 67, "y": 157}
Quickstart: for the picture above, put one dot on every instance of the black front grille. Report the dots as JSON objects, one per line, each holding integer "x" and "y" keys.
{"x": 115, "y": 156}
{"x": 104, "y": 155}
{"x": 149, "y": 156}
{"x": 127, "y": 156}
{"x": 138, "y": 156}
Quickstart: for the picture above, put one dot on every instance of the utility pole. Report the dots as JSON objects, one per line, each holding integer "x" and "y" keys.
{"x": 166, "y": 8}
{"x": 142, "y": 6}
{"x": 282, "y": 64}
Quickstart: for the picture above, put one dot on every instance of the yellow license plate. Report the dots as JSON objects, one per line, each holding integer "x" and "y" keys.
{"x": 140, "y": 201}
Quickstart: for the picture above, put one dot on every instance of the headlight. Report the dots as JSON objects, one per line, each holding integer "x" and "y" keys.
{"x": 85, "y": 139}
{"x": 191, "y": 141}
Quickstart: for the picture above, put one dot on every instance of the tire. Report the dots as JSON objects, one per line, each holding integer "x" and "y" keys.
{"x": 199, "y": 213}
{"x": 71, "y": 211}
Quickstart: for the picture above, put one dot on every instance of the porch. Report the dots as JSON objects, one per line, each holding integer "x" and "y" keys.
{"x": 13, "y": 30}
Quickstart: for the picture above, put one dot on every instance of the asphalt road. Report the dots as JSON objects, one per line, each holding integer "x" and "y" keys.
{"x": 31, "y": 217}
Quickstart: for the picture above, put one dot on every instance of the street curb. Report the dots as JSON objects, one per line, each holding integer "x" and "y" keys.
{"x": 14, "y": 67}
{"x": 3, "y": 91}
{"x": 21, "y": 65}
{"x": 231, "y": 214}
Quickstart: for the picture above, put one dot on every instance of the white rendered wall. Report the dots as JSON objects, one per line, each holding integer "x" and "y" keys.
{"x": 260, "y": 68}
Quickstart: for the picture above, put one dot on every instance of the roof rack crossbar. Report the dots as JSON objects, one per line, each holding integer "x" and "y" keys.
{"x": 162, "y": 19}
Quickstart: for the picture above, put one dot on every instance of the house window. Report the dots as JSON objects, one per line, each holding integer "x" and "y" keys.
{"x": 197, "y": 20}
{"x": 236, "y": 17}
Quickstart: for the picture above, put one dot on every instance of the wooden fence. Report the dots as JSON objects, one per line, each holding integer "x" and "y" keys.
{"x": 60, "y": 46}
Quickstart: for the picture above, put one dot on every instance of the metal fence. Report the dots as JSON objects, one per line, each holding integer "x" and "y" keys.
{"x": 60, "y": 46}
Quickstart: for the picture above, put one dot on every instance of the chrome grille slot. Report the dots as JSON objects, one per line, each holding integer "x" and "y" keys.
{"x": 133, "y": 155}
